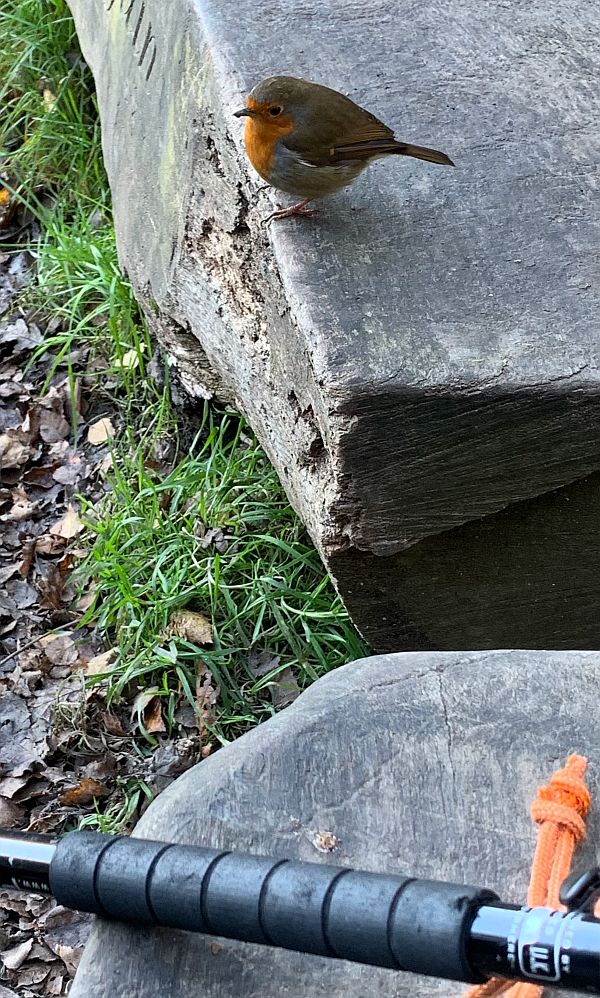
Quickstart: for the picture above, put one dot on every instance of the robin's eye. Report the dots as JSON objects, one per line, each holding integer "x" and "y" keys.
{"x": 275, "y": 111}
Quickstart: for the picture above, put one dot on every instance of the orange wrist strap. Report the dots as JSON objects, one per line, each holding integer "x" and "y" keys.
{"x": 559, "y": 810}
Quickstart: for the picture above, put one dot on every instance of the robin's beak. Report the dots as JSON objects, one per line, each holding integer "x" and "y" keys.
{"x": 246, "y": 112}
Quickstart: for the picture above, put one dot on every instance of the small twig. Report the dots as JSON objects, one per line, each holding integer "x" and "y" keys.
{"x": 28, "y": 644}
{"x": 18, "y": 651}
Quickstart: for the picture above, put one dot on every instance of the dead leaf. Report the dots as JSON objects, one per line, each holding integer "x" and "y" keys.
{"x": 54, "y": 985}
{"x": 27, "y": 560}
{"x": 284, "y": 689}
{"x": 84, "y": 793}
{"x": 100, "y": 663}
{"x": 193, "y": 627}
{"x": 153, "y": 719}
{"x": 40, "y": 476}
{"x": 85, "y": 602}
{"x": 112, "y": 725}
{"x": 71, "y": 472}
{"x": 100, "y": 431}
{"x": 31, "y": 974}
{"x": 69, "y": 525}
{"x": 213, "y": 536}
{"x": 22, "y": 593}
{"x": 148, "y": 708}
{"x": 52, "y": 588}
{"x": 60, "y": 650}
{"x": 13, "y": 958}
{"x": 12, "y": 785}
{"x": 128, "y": 361}
{"x": 67, "y": 937}
{"x": 206, "y": 697}
{"x": 49, "y": 544}
{"x": 261, "y": 663}
{"x": 20, "y": 335}
{"x": 53, "y": 426}
{"x": 15, "y": 449}
{"x": 21, "y": 509}
{"x": 10, "y": 813}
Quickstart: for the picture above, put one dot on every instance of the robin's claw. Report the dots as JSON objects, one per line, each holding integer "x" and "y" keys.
{"x": 299, "y": 209}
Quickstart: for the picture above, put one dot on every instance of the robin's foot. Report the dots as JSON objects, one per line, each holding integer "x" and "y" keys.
{"x": 295, "y": 209}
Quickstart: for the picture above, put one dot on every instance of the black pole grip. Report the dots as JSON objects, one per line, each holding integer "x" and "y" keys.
{"x": 378, "y": 919}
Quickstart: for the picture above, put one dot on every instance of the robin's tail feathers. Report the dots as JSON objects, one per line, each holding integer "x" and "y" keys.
{"x": 374, "y": 148}
{"x": 422, "y": 152}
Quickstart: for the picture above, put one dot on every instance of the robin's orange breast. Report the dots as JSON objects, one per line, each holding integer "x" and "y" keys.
{"x": 260, "y": 139}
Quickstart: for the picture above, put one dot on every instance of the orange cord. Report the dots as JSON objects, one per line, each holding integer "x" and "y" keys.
{"x": 559, "y": 811}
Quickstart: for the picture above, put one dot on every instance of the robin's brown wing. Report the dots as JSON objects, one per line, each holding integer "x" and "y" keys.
{"x": 342, "y": 125}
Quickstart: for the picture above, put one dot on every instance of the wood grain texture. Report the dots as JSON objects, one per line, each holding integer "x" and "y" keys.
{"x": 425, "y": 353}
{"x": 422, "y": 763}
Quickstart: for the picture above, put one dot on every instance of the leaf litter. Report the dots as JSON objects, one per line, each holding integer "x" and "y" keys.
{"x": 68, "y": 752}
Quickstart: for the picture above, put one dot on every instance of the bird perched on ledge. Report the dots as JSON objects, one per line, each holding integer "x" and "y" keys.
{"x": 309, "y": 141}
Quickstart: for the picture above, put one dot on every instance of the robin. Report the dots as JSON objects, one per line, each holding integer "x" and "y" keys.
{"x": 310, "y": 141}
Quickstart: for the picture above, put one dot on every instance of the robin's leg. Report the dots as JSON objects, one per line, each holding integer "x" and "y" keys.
{"x": 295, "y": 209}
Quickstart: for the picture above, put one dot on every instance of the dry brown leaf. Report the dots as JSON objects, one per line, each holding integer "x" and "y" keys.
{"x": 148, "y": 708}
{"x": 100, "y": 431}
{"x": 51, "y": 589}
{"x": 153, "y": 719}
{"x": 193, "y": 627}
{"x": 84, "y": 793}
{"x": 50, "y": 544}
{"x": 85, "y": 602}
{"x": 27, "y": 559}
{"x": 69, "y": 525}
{"x": 21, "y": 509}
{"x": 60, "y": 650}
{"x": 112, "y": 725}
{"x": 15, "y": 449}
{"x": 206, "y": 698}
{"x": 14, "y": 957}
{"x": 100, "y": 663}
{"x": 262, "y": 662}
{"x": 284, "y": 689}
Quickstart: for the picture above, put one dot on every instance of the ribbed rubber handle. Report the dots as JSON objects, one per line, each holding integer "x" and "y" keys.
{"x": 379, "y": 919}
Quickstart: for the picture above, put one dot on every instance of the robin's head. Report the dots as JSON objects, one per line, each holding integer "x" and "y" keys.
{"x": 276, "y": 104}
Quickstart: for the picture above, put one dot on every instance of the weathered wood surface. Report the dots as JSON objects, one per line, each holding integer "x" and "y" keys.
{"x": 424, "y": 354}
{"x": 422, "y": 763}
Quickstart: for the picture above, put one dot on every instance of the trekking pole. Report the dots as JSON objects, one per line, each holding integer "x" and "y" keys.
{"x": 426, "y": 927}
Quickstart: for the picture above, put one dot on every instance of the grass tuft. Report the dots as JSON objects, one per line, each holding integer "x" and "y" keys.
{"x": 266, "y": 592}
